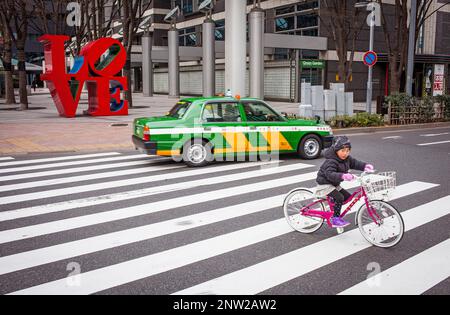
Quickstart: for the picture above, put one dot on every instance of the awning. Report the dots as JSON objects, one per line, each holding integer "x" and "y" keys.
{"x": 433, "y": 59}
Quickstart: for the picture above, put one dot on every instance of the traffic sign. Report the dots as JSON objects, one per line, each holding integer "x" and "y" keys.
{"x": 370, "y": 58}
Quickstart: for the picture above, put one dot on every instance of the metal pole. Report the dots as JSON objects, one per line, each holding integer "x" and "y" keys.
{"x": 209, "y": 58}
{"x": 411, "y": 48}
{"x": 370, "y": 80}
{"x": 297, "y": 77}
{"x": 256, "y": 32}
{"x": 174, "y": 64}
{"x": 147, "y": 65}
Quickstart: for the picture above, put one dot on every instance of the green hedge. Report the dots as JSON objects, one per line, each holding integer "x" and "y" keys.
{"x": 445, "y": 101}
{"x": 422, "y": 109}
{"x": 358, "y": 120}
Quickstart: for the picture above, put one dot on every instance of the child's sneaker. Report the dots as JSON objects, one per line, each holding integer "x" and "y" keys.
{"x": 338, "y": 222}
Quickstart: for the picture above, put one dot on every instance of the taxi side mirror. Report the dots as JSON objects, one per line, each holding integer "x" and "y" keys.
{"x": 318, "y": 119}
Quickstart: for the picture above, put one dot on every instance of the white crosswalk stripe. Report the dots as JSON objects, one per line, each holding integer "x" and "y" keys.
{"x": 248, "y": 186}
{"x": 115, "y": 184}
{"x": 82, "y": 169}
{"x": 81, "y": 178}
{"x": 56, "y": 159}
{"x": 249, "y": 281}
{"x": 414, "y": 276}
{"x": 62, "y": 206}
{"x": 72, "y": 163}
{"x": 6, "y": 158}
{"x": 174, "y": 225}
{"x": 190, "y": 253}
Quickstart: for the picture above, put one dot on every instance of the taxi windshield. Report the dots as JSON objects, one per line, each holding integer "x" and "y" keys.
{"x": 179, "y": 110}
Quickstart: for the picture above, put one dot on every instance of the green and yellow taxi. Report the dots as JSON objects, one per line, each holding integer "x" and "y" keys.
{"x": 199, "y": 130}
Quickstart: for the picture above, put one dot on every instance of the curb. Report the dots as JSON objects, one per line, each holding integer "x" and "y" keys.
{"x": 390, "y": 128}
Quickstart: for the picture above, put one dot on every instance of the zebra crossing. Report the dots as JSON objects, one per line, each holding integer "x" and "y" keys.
{"x": 126, "y": 219}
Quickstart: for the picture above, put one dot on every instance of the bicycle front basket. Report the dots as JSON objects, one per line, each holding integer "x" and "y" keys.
{"x": 380, "y": 185}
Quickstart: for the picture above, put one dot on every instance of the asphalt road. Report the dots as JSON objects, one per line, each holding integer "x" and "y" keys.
{"x": 123, "y": 223}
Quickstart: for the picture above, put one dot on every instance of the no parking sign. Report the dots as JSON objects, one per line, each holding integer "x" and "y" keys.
{"x": 370, "y": 58}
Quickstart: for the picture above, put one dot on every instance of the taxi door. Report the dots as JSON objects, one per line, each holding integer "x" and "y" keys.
{"x": 268, "y": 131}
{"x": 223, "y": 124}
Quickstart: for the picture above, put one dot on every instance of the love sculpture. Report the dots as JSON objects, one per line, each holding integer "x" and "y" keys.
{"x": 100, "y": 75}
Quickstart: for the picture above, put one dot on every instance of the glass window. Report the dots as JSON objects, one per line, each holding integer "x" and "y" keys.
{"x": 284, "y": 24}
{"x": 311, "y": 32}
{"x": 308, "y": 6}
{"x": 309, "y": 54}
{"x": 259, "y": 112}
{"x": 285, "y": 10}
{"x": 179, "y": 110}
{"x": 220, "y": 30}
{"x": 186, "y": 6}
{"x": 188, "y": 37}
{"x": 307, "y": 20}
{"x": 300, "y": 19}
{"x": 221, "y": 112}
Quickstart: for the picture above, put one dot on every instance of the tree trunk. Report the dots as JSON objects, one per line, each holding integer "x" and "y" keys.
{"x": 394, "y": 83}
{"x": 9, "y": 81}
{"x": 127, "y": 74}
{"x": 22, "y": 77}
{"x": 342, "y": 71}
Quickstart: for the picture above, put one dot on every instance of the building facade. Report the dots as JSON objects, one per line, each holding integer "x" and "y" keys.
{"x": 300, "y": 18}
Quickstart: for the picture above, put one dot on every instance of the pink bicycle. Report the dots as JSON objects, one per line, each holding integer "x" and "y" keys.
{"x": 378, "y": 220}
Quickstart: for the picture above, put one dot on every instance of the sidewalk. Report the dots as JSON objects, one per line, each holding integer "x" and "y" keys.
{"x": 41, "y": 130}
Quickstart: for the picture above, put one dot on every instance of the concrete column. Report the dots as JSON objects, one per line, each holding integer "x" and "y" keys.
{"x": 235, "y": 46}
{"x": 256, "y": 34}
{"x": 147, "y": 65}
{"x": 174, "y": 64}
{"x": 209, "y": 58}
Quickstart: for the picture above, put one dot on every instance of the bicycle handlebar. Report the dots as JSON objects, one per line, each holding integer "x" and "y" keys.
{"x": 356, "y": 177}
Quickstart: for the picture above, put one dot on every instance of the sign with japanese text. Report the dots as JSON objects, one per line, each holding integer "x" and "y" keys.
{"x": 438, "y": 82}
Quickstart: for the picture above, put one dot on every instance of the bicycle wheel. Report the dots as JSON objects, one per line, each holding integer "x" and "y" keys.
{"x": 293, "y": 203}
{"x": 388, "y": 229}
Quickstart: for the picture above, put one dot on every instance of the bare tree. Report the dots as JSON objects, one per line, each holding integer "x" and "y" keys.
{"x": 6, "y": 56}
{"x": 342, "y": 21}
{"x": 21, "y": 14}
{"x": 397, "y": 37}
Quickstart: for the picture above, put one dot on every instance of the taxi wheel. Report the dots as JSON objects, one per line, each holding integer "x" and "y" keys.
{"x": 197, "y": 153}
{"x": 310, "y": 147}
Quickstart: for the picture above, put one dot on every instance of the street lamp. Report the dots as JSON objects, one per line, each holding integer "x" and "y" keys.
{"x": 174, "y": 54}
{"x": 209, "y": 49}
{"x": 372, "y": 20}
{"x": 206, "y": 7}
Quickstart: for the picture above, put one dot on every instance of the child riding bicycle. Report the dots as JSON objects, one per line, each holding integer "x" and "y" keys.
{"x": 334, "y": 171}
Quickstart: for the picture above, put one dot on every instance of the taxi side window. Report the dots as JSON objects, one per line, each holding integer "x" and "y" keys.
{"x": 221, "y": 112}
{"x": 259, "y": 112}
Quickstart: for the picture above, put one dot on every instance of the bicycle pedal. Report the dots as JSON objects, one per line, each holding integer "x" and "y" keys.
{"x": 340, "y": 230}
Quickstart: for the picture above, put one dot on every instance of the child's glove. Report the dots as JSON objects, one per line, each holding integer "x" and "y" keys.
{"x": 369, "y": 168}
{"x": 348, "y": 177}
